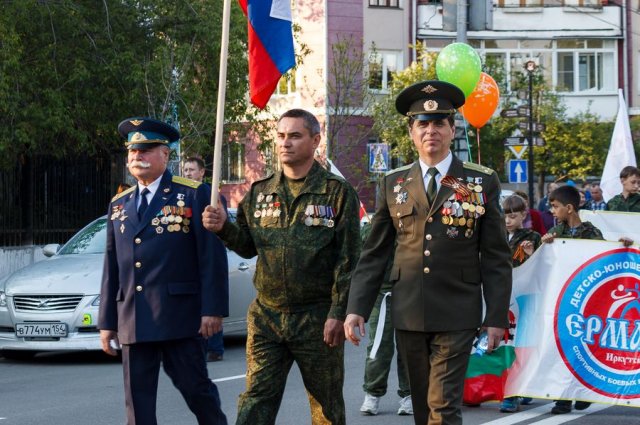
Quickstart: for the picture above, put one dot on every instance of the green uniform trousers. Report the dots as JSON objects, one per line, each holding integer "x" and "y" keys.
{"x": 376, "y": 371}
{"x": 275, "y": 340}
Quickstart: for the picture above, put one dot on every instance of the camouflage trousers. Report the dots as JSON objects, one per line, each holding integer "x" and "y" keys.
{"x": 274, "y": 341}
{"x": 376, "y": 371}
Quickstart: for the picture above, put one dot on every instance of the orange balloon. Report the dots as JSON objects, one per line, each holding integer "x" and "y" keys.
{"x": 482, "y": 102}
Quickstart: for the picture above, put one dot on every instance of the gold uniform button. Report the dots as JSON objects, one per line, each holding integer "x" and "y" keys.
{"x": 428, "y": 237}
{"x": 427, "y": 253}
{"x": 426, "y": 270}
{"x": 397, "y": 214}
{"x": 139, "y": 288}
{"x": 138, "y": 240}
{"x": 430, "y": 219}
{"x": 138, "y": 264}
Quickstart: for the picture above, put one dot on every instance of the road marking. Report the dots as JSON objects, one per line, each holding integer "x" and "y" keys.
{"x": 543, "y": 410}
{"x": 514, "y": 418}
{"x": 229, "y": 378}
{"x": 560, "y": 419}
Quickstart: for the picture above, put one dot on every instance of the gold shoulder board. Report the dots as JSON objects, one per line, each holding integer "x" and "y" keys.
{"x": 477, "y": 167}
{"x": 124, "y": 192}
{"x": 186, "y": 182}
{"x": 396, "y": 170}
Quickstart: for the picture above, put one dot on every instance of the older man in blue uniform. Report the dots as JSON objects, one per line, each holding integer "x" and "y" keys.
{"x": 165, "y": 281}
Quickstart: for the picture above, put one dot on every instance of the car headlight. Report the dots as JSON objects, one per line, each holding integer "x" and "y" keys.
{"x": 3, "y": 299}
{"x": 96, "y": 302}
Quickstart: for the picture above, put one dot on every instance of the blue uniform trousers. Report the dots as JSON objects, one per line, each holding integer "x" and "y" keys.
{"x": 183, "y": 360}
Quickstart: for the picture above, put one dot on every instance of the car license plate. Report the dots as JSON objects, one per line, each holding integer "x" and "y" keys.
{"x": 40, "y": 329}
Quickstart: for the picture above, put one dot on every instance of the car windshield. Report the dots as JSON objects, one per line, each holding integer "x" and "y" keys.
{"x": 90, "y": 240}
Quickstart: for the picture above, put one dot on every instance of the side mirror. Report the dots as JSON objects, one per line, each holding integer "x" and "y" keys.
{"x": 51, "y": 249}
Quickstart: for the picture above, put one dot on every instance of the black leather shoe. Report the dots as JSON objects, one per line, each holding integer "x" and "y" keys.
{"x": 561, "y": 407}
{"x": 214, "y": 357}
{"x": 581, "y": 405}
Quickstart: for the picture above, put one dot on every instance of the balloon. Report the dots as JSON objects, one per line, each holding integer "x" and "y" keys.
{"x": 459, "y": 65}
{"x": 482, "y": 102}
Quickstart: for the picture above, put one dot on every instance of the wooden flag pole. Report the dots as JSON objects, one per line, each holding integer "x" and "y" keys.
{"x": 222, "y": 86}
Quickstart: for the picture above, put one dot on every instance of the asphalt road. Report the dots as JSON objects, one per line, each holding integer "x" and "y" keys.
{"x": 86, "y": 388}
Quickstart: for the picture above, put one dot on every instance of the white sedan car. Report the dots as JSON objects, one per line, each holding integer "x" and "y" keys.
{"x": 53, "y": 304}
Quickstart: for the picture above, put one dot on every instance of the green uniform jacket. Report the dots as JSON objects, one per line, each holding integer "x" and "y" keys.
{"x": 585, "y": 230}
{"x": 440, "y": 270}
{"x": 299, "y": 265}
{"x": 618, "y": 203}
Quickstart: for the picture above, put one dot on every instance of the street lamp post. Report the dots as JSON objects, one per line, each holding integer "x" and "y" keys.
{"x": 530, "y": 67}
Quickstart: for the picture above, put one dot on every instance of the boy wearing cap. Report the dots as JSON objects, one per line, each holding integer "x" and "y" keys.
{"x": 165, "y": 280}
{"x": 451, "y": 253}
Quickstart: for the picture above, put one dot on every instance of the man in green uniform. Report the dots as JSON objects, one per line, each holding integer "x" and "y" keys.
{"x": 629, "y": 199}
{"x": 451, "y": 254}
{"x": 303, "y": 225}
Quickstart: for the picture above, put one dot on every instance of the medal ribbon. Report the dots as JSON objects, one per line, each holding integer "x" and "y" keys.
{"x": 456, "y": 185}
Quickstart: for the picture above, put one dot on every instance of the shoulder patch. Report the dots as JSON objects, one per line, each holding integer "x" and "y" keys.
{"x": 396, "y": 170}
{"x": 186, "y": 182}
{"x": 477, "y": 167}
{"x": 123, "y": 193}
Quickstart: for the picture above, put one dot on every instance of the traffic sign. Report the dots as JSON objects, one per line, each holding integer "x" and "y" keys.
{"x": 514, "y": 141}
{"x": 537, "y": 126}
{"x": 518, "y": 150}
{"x": 518, "y": 171}
{"x": 523, "y": 111}
{"x": 509, "y": 113}
{"x": 538, "y": 141}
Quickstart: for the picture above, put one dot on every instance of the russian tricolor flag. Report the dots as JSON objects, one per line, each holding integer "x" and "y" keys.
{"x": 270, "y": 46}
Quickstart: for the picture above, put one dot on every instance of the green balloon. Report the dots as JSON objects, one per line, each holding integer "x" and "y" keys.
{"x": 459, "y": 65}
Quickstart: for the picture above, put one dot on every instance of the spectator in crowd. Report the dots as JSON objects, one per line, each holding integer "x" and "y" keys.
{"x": 533, "y": 219}
{"x": 193, "y": 168}
{"x": 596, "y": 203}
{"x": 543, "y": 205}
{"x": 522, "y": 241}
{"x": 629, "y": 199}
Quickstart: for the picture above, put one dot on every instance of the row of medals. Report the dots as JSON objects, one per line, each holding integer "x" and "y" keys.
{"x": 459, "y": 211}
{"x": 176, "y": 218}
{"x": 319, "y": 215}
{"x": 270, "y": 207}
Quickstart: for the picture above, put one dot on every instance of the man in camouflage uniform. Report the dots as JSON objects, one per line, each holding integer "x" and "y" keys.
{"x": 302, "y": 223}
{"x": 629, "y": 199}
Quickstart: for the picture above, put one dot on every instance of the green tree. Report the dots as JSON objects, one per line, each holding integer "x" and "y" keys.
{"x": 71, "y": 70}
{"x": 390, "y": 126}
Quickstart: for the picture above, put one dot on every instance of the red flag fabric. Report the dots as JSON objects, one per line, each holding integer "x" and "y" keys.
{"x": 271, "y": 52}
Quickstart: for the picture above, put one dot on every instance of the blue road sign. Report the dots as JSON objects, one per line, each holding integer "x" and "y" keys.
{"x": 518, "y": 170}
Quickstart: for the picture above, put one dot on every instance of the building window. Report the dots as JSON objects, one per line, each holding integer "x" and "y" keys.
{"x": 232, "y": 163}
{"x": 384, "y": 3}
{"x": 287, "y": 84}
{"x": 381, "y": 66}
{"x": 569, "y": 66}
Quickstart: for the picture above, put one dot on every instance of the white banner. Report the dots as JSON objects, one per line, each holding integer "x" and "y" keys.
{"x": 614, "y": 224}
{"x": 577, "y": 307}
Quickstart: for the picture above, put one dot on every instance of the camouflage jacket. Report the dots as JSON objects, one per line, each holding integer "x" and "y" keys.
{"x": 519, "y": 236}
{"x": 306, "y": 250}
{"x": 585, "y": 230}
{"x": 618, "y": 203}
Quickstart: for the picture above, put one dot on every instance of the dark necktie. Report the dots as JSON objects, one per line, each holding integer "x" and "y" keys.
{"x": 432, "y": 187}
{"x": 143, "y": 203}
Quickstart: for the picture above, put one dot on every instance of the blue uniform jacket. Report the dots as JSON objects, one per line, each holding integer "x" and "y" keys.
{"x": 158, "y": 280}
